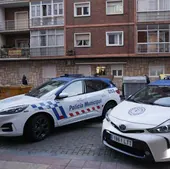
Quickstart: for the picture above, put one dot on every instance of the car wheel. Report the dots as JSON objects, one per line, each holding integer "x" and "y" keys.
{"x": 107, "y": 107}
{"x": 38, "y": 128}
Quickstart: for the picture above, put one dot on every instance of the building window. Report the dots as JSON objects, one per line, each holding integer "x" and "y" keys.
{"x": 82, "y": 9}
{"x": 153, "y": 5}
{"x": 47, "y": 38}
{"x": 82, "y": 39}
{"x": 155, "y": 71}
{"x": 46, "y": 9}
{"x": 114, "y": 38}
{"x": 35, "y": 10}
{"x": 114, "y": 7}
{"x": 58, "y": 9}
{"x": 117, "y": 70}
{"x": 100, "y": 70}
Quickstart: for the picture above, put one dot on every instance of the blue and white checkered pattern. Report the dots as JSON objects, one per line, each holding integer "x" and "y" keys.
{"x": 57, "y": 110}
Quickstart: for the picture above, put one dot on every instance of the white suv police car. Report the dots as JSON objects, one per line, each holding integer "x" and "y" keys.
{"x": 58, "y": 102}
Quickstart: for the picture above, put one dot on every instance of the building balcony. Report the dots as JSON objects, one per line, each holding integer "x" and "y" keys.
{"x": 12, "y": 1}
{"x": 47, "y": 51}
{"x": 153, "y": 16}
{"x": 25, "y": 53}
{"x": 148, "y": 48}
{"x": 14, "y": 53}
{"x": 47, "y": 21}
{"x": 14, "y": 25}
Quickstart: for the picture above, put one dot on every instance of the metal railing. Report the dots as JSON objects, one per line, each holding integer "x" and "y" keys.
{"x": 153, "y": 16}
{"x": 31, "y": 52}
{"x": 161, "y": 47}
{"x": 14, "y": 25}
{"x": 47, "y": 21}
{"x": 47, "y": 51}
{"x": 12, "y": 1}
{"x": 14, "y": 53}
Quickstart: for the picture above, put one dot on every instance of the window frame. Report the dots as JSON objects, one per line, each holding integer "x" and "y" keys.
{"x": 58, "y": 9}
{"x": 97, "y": 81}
{"x": 40, "y": 5}
{"x": 102, "y": 67}
{"x": 151, "y": 10}
{"x": 114, "y": 13}
{"x": 156, "y": 66}
{"x": 47, "y": 34}
{"x": 82, "y": 46}
{"x": 82, "y": 3}
{"x": 114, "y": 32}
{"x": 117, "y": 68}
{"x": 83, "y": 88}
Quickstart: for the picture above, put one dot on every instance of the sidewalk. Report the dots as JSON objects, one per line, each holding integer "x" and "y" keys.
{"x": 8, "y": 161}
{"x": 35, "y": 162}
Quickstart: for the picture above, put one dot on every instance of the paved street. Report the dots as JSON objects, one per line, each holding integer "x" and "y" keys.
{"x": 78, "y": 143}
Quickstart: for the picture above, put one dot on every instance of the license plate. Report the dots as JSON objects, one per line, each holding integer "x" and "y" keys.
{"x": 122, "y": 140}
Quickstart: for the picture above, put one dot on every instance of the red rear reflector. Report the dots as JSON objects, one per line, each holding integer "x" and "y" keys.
{"x": 118, "y": 91}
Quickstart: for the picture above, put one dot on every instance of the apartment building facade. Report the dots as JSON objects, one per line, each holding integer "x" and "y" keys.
{"x": 47, "y": 38}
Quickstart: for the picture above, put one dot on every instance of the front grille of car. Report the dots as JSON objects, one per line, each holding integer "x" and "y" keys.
{"x": 140, "y": 149}
{"x": 127, "y": 131}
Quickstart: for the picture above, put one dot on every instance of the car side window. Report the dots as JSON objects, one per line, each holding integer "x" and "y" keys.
{"x": 74, "y": 89}
{"x": 95, "y": 85}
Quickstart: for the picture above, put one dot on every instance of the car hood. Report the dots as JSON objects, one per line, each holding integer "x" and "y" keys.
{"x": 17, "y": 101}
{"x": 141, "y": 113}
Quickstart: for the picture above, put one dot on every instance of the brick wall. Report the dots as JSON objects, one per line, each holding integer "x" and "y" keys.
{"x": 98, "y": 13}
{"x": 98, "y": 40}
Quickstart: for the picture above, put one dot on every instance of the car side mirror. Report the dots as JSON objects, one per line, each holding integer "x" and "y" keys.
{"x": 62, "y": 95}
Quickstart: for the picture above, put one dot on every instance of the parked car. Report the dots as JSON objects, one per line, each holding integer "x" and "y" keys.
{"x": 58, "y": 102}
{"x": 140, "y": 125}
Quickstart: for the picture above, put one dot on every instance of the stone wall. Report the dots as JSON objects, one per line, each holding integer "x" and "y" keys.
{"x": 11, "y": 72}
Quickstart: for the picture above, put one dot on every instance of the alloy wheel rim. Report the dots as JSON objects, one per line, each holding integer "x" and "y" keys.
{"x": 41, "y": 128}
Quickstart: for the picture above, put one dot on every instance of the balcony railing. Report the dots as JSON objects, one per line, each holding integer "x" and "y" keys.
{"x": 47, "y": 51}
{"x": 162, "y": 47}
{"x": 30, "y": 52}
{"x": 47, "y": 21}
{"x": 14, "y": 53}
{"x": 14, "y": 25}
{"x": 153, "y": 16}
{"x": 12, "y": 1}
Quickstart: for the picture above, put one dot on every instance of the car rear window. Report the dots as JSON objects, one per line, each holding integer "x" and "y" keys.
{"x": 95, "y": 85}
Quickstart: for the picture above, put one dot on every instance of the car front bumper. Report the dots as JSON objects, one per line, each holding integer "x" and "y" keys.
{"x": 145, "y": 145}
{"x": 11, "y": 125}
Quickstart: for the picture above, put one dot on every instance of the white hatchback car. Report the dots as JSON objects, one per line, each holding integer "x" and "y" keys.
{"x": 140, "y": 125}
{"x": 58, "y": 102}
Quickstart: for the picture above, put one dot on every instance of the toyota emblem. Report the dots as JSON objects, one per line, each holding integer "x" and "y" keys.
{"x": 122, "y": 127}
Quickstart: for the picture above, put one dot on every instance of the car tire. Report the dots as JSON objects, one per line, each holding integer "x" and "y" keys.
{"x": 107, "y": 107}
{"x": 38, "y": 128}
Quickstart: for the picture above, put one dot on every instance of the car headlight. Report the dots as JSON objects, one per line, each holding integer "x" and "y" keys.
{"x": 13, "y": 110}
{"x": 107, "y": 116}
{"x": 163, "y": 128}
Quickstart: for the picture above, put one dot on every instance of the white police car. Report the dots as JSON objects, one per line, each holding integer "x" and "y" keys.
{"x": 58, "y": 102}
{"x": 140, "y": 125}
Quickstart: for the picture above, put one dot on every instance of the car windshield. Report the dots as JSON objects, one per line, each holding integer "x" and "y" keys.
{"x": 153, "y": 95}
{"x": 45, "y": 88}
